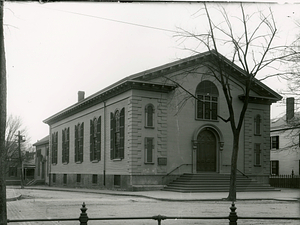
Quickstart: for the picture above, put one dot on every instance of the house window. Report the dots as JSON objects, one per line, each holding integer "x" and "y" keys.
{"x": 257, "y": 123}
{"x": 149, "y": 116}
{"x": 275, "y": 142}
{"x": 274, "y": 167}
{"x": 207, "y": 101}
{"x": 79, "y": 143}
{"x": 149, "y": 150}
{"x": 12, "y": 172}
{"x": 95, "y": 179}
{"x": 65, "y": 178}
{"x": 54, "y": 178}
{"x": 117, "y": 126}
{"x": 54, "y": 147}
{"x": 65, "y": 145}
{"x": 78, "y": 178}
{"x": 95, "y": 139}
{"x": 257, "y": 154}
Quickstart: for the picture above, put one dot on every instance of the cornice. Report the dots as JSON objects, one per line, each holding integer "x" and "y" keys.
{"x": 107, "y": 94}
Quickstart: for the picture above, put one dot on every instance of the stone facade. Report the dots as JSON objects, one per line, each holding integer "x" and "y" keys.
{"x": 166, "y": 132}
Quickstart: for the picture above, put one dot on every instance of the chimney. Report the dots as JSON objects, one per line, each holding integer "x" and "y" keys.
{"x": 80, "y": 95}
{"x": 290, "y": 108}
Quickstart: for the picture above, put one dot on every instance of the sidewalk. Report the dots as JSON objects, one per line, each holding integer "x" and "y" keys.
{"x": 285, "y": 194}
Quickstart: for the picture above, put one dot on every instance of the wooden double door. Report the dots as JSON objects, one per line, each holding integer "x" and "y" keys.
{"x": 206, "y": 151}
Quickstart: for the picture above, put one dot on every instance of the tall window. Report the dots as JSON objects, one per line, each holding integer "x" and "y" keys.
{"x": 274, "y": 167}
{"x": 149, "y": 116}
{"x": 65, "y": 145}
{"x": 95, "y": 139}
{"x": 207, "y": 101}
{"x": 257, "y": 123}
{"x": 275, "y": 142}
{"x": 257, "y": 154}
{"x": 79, "y": 143}
{"x": 54, "y": 140}
{"x": 149, "y": 150}
{"x": 117, "y": 122}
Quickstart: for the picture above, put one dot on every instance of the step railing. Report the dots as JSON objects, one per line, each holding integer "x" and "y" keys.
{"x": 83, "y": 218}
{"x": 185, "y": 164}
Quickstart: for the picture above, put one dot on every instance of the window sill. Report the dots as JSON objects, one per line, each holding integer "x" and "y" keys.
{"x": 78, "y": 162}
{"x": 146, "y": 127}
{"x": 211, "y": 120}
{"x": 95, "y": 161}
{"x": 65, "y": 163}
{"x": 149, "y": 163}
{"x": 117, "y": 159}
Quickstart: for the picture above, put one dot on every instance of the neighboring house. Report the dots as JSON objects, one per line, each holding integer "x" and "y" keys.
{"x": 42, "y": 160}
{"x": 13, "y": 165}
{"x": 28, "y": 166}
{"x": 140, "y": 129}
{"x": 285, "y": 142}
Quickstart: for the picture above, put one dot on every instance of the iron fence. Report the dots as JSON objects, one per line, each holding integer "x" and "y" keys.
{"x": 285, "y": 181}
{"x": 83, "y": 218}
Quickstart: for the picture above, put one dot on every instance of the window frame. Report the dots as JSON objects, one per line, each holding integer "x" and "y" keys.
{"x": 276, "y": 162}
{"x": 149, "y": 116}
{"x": 54, "y": 146}
{"x": 94, "y": 179}
{"x": 207, "y": 102}
{"x": 117, "y": 135}
{"x": 79, "y": 140}
{"x": 257, "y": 154}
{"x": 149, "y": 150}
{"x": 257, "y": 125}
{"x": 95, "y": 139}
{"x": 65, "y": 145}
{"x": 276, "y": 142}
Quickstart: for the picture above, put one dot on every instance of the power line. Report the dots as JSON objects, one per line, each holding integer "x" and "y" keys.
{"x": 108, "y": 19}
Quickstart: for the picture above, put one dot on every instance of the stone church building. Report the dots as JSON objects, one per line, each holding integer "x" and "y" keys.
{"x": 144, "y": 130}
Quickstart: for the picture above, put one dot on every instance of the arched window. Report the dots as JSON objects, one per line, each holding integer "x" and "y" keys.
{"x": 257, "y": 122}
{"x": 95, "y": 139}
{"x": 149, "y": 116}
{"x": 79, "y": 142}
{"x": 65, "y": 145}
{"x": 117, "y": 132}
{"x": 207, "y": 101}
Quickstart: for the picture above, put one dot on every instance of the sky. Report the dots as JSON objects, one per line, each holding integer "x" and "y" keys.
{"x": 54, "y": 50}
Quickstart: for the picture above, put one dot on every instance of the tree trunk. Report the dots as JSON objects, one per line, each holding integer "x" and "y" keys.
{"x": 3, "y": 209}
{"x": 234, "y": 157}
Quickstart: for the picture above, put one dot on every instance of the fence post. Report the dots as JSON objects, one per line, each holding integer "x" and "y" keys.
{"x": 83, "y": 215}
{"x": 232, "y": 215}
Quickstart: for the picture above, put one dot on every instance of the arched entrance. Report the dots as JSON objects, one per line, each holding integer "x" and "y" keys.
{"x": 206, "y": 156}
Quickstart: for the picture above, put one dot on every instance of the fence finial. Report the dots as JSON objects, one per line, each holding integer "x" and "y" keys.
{"x": 83, "y": 215}
{"x": 233, "y": 215}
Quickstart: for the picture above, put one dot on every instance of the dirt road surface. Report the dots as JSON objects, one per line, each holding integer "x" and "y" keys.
{"x": 59, "y": 204}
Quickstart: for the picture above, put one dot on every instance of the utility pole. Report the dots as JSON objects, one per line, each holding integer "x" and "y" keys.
{"x": 3, "y": 207}
{"x": 20, "y": 139}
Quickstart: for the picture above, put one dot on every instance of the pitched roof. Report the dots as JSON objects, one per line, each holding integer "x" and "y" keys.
{"x": 43, "y": 141}
{"x": 143, "y": 81}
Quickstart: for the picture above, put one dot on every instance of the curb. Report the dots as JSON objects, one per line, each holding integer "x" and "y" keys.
{"x": 158, "y": 198}
{"x": 18, "y": 197}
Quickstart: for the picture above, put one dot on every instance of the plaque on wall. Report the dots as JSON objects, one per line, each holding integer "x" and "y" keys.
{"x": 162, "y": 161}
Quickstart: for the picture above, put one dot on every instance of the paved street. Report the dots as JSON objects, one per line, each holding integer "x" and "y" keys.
{"x": 61, "y": 204}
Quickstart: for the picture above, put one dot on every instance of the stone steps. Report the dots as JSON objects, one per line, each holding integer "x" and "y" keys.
{"x": 214, "y": 182}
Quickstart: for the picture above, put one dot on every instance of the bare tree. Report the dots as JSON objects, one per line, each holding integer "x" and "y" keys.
{"x": 249, "y": 41}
